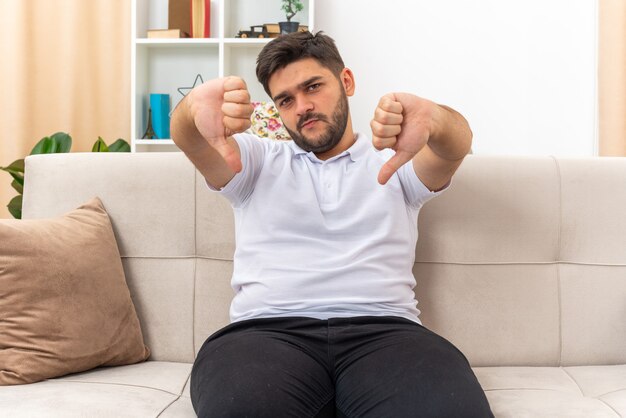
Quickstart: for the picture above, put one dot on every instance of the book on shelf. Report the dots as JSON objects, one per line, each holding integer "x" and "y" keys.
{"x": 178, "y": 16}
{"x": 160, "y": 109}
{"x": 200, "y": 18}
{"x": 167, "y": 33}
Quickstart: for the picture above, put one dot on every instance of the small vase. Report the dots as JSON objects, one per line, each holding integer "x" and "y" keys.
{"x": 288, "y": 27}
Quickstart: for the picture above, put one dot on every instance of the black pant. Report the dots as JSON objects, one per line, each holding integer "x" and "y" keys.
{"x": 342, "y": 367}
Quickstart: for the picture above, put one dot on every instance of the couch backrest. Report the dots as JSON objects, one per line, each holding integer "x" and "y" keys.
{"x": 521, "y": 262}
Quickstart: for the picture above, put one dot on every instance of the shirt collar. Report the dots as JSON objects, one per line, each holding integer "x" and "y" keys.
{"x": 356, "y": 150}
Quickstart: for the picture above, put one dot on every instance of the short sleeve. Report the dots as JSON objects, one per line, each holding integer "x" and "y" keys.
{"x": 415, "y": 192}
{"x": 253, "y": 150}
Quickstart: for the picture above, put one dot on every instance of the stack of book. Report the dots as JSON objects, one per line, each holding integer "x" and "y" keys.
{"x": 167, "y": 33}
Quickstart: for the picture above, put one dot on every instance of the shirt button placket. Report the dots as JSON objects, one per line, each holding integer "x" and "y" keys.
{"x": 324, "y": 183}
{"x": 331, "y": 183}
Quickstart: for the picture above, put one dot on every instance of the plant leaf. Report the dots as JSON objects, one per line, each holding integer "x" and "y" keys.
{"x": 63, "y": 141}
{"x": 100, "y": 146}
{"x": 19, "y": 187}
{"x": 16, "y": 166}
{"x": 119, "y": 146}
{"x": 15, "y": 207}
{"x": 16, "y": 170}
{"x": 18, "y": 177}
{"x": 41, "y": 146}
{"x": 58, "y": 142}
{"x": 45, "y": 146}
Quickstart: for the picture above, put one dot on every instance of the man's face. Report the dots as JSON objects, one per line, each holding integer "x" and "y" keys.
{"x": 312, "y": 103}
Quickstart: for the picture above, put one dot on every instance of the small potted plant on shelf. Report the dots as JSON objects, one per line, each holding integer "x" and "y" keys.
{"x": 291, "y": 7}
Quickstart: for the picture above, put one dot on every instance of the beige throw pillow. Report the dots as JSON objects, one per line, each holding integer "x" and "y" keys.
{"x": 64, "y": 303}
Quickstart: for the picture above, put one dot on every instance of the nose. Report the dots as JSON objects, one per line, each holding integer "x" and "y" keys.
{"x": 303, "y": 105}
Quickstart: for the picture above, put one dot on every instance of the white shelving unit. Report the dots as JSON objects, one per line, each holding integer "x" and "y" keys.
{"x": 165, "y": 65}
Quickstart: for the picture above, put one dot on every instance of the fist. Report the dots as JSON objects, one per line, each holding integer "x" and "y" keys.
{"x": 402, "y": 123}
{"x": 221, "y": 108}
{"x": 236, "y": 106}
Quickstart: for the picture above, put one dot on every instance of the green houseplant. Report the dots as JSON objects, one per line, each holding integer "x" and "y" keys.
{"x": 290, "y": 7}
{"x": 59, "y": 142}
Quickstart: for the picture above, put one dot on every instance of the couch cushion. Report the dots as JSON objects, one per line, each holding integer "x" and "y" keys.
{"x": 590, "y": 391}
{"x": 161, "y": 389}
{"x": 137, "y": 391}
{"x": 182, "y": 408}
{"x": 266, "y": 122}
{"x": 521, "y": 262}
{"x": 155, "y": 231}
{"x": 165, "y": 376}
{"x": 64, "y": 302}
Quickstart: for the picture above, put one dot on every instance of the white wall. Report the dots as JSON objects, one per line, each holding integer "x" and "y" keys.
{"x": 523, "y": 72}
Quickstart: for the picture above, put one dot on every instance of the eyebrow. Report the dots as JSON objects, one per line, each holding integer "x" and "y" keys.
{"x": 298, "y": 87}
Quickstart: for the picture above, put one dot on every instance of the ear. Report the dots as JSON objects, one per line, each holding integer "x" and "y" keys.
{"x": 347, "y": 80}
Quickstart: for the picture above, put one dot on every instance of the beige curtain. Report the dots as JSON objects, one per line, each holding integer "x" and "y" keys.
{"x": 65, "y": 67}
{"x": 612, "y": 77}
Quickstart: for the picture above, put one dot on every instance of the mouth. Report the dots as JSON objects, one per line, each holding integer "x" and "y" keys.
{"x": 310, "y": 120}
{"x": 309, "y": 124}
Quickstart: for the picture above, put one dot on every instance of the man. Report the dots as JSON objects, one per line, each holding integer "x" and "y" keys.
{"x": 324, "y": 320}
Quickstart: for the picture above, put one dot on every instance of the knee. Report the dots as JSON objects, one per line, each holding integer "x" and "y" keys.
{"x": 218, "y": 408}
{"x": 240, "y": 395}
{"x": 460, "y": 391}
{"x": 448, "y": 384}
{"x": 456, "y": 392}
{"x": 462, "y": 399}
{"x": 232, "y": 402}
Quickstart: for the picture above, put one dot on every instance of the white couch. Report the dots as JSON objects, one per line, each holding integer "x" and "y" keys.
{"x": 521, "y": 264}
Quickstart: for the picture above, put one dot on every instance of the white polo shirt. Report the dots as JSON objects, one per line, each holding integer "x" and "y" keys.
{"x": 322, "y": 239}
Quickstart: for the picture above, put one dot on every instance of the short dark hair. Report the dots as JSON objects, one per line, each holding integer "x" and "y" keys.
{"x": 292, "y": 47}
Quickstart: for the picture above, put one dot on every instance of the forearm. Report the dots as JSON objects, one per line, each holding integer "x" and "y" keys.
{"x": 451, "y": 138}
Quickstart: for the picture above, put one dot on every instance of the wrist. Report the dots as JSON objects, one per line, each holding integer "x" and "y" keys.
{"x": 451, "y": 137}
{"x": 438, "y": 117}
{"x": 185, "y": 133}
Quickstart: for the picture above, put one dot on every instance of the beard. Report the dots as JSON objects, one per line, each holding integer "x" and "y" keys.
{"x": 333, "y": 133}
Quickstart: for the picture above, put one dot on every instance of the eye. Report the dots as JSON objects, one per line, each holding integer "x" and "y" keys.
{"x": 313, "y": 87}
{"x": 285, "y": 102}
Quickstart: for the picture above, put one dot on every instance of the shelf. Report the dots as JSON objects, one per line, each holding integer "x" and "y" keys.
{"x": 183, "y": 42}
{"x": 198, "y": 42}
{"x": 241, "y": 14}
{"x": 170, "y": 66}
{"x": 154, "y": 145}
{"x": 246, "y": 41}
{"x": 154, "y": 142}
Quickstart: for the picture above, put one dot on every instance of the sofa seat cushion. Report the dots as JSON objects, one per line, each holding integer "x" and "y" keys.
{"x": 148, "y": 389}
{"x": 581, "y": 391}
{"x": 161, "y": 389}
